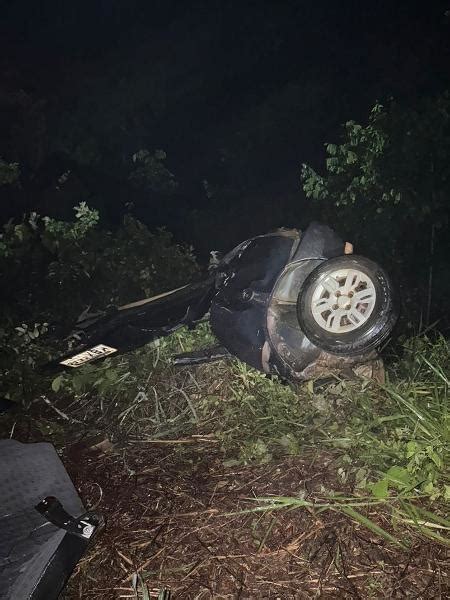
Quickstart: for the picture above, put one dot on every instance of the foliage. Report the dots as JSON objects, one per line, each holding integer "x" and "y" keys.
{"x": 56, "y": 269}
{"x": 9, "y": 172}
{"x": 393, "y": 443}
{"x": 86, "y": 219}
{"x": 395, "y": 165}
{"x": 387, "y": 186}
{"x": 150, "y": 172}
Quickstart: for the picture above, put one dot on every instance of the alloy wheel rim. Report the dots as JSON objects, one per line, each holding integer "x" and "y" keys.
{"x": 343, "y": 300}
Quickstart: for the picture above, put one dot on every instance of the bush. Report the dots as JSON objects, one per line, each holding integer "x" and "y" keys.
{"x": 53, "y": 270}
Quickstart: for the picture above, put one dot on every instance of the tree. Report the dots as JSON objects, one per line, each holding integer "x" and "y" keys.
{"x": 388, "y": 183}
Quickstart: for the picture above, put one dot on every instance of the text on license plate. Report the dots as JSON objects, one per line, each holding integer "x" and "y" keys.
{"x": 93, "y": 353}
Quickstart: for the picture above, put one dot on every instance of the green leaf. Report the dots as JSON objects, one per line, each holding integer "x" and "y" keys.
{"x": 351, "y": 157}
{"x": 380, "y": 489}
{"x": 56, "y": 383}
{"x": 434, "y": 457}
{"x": 399, "y": 477}
{"x": 428, "y": 487}
{"x": 411, "y": 449}
{"x": 357, "y": 516}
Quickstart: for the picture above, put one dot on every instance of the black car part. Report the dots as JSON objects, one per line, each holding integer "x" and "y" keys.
{"x": 40, "y": 541}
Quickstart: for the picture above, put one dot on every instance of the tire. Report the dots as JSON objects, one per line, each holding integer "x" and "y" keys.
{"x": 347, "y": 305}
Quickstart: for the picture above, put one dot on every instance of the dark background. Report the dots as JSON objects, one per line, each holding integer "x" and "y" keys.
{"x": 238, "y": 94}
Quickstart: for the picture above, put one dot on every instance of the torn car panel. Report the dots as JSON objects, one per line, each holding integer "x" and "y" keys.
{"x": 134, "y": 325}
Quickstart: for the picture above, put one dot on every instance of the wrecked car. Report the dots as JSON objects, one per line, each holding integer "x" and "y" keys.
{"x": 290, "y": 303}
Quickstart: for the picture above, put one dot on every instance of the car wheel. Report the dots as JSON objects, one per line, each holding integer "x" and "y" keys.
{"x": 347, "y": 305}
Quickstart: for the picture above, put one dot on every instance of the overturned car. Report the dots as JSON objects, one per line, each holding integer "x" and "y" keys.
{"x": 289, "y": 303}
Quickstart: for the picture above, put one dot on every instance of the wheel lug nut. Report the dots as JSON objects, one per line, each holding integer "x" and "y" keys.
{"x": 350, "y": 294}
{"x": 337, "y": 294}
{"x": 335, "y": 306}
{"x": 348, "y": 306}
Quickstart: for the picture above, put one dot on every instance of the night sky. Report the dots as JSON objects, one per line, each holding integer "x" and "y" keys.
{"x": 236, "y": 93}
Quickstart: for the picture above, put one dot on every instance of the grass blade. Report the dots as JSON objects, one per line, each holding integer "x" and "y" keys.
{"x": 371, "y": 525}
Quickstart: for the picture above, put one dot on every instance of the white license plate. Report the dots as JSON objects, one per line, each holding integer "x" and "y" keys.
{"x": 93, "y": 353}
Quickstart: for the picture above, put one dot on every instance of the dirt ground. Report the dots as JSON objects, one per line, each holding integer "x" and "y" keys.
{"x": 171, "y": 518}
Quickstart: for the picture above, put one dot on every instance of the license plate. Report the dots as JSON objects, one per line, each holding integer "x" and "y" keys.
{"x": 92, "y": 354}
